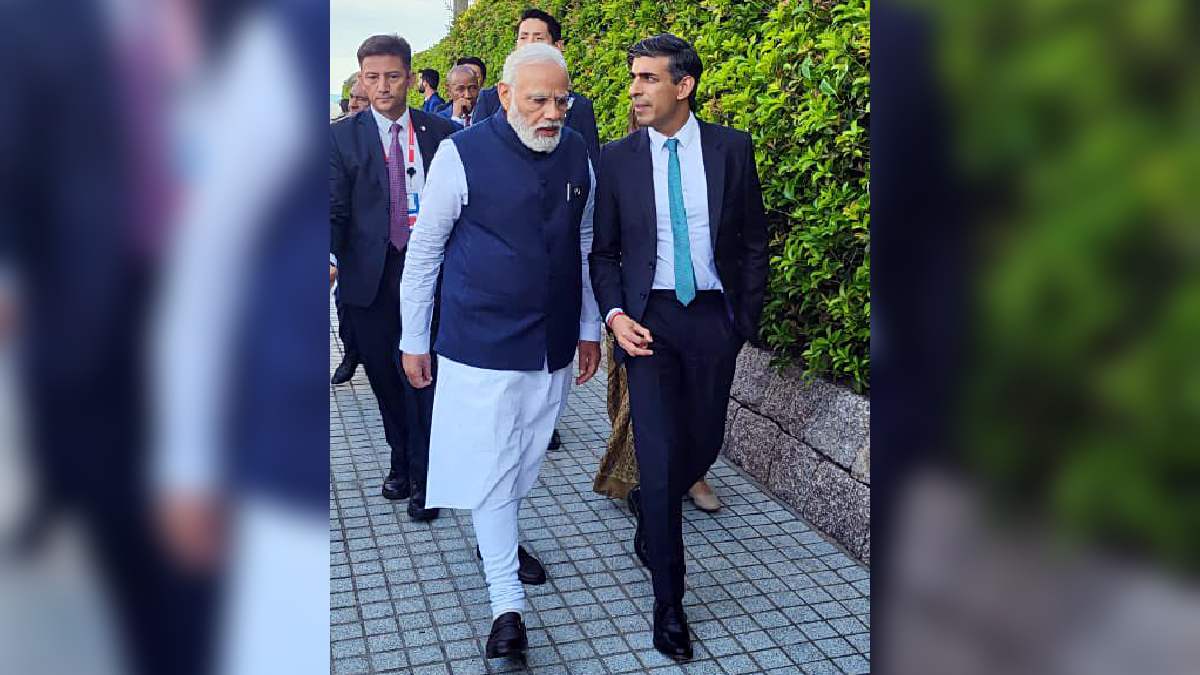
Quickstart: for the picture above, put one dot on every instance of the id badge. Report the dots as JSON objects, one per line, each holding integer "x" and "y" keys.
{"x": 414, "y": 208}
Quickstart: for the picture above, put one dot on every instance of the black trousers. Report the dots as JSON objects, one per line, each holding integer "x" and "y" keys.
{"x": 406, "y": 411}
{"x": 345, "y": 331}
{"x": 678, "y": 398}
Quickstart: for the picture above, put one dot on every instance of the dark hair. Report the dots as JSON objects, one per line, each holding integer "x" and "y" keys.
{"x": 431, "y": 77}
{"x": 473, "y": 61}
{"x": 386, "y": 45}
{"x": 551, "y": 23}
{"x": 684, "y": 59}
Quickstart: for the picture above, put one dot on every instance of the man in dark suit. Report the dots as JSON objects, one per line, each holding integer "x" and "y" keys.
{"x": 378, "y": 163}
{"x": 462, "y": 84}
{"x": 427, "y": 84}
{"x": 679, "y": 267}
{"x": 538, "y": 26}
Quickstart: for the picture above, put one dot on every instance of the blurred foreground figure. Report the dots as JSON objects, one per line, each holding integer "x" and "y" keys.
{"x": 241, "y": 472}
{"x": 83, "y": 203}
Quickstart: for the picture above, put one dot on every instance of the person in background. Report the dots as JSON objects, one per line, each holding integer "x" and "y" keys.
{"x": 427, "y": 84}
{"x": 476, "y": 64}
{"x": 357, "y": 102}
{"x": 378, "y": 161}
{"x": 463, "y": 86}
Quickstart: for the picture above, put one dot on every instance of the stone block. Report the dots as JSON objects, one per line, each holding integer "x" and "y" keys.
{"x": 752, "y": 377}
{"x": 753, "y": 444}
{"x": 838, "y": 505}
{"x": 837, "y": 424}
{"x": 792, "y": 474}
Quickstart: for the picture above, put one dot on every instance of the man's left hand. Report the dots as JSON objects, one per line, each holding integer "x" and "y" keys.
{"x": 589, "y": 360}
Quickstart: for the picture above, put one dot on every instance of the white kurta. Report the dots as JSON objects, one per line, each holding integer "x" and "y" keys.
{"x": 490, "y": 428}
{"x": 490, "y": 431}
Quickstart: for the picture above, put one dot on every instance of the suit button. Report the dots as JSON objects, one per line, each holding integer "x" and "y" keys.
{"x": 643, "y": 294}
{"x": 650, "y": 265}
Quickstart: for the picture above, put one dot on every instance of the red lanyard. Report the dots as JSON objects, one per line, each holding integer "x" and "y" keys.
{"x": 412, "y": 151}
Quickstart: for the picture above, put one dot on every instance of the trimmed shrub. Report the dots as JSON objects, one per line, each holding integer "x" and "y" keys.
{"x": 793, "y": 74}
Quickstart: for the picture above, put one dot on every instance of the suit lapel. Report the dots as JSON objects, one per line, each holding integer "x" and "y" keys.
{"x": 368, "y": 136}
{"x": 642, "y": 173}
{"x": 425, "y": 140}
{"x": 714, "y": 174}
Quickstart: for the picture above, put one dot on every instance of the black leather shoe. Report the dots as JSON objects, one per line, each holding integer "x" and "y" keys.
{"x": 416, "y": 507}
{"x": 634, "y": 499}
{"x": 507, "y": 637}
{"x": 671, "y": 636}
{"x": 555, "y": 441}
{"x": 395, "y": 488}
{"x": 345, "y": 370}
{"x": 529, "y": 568}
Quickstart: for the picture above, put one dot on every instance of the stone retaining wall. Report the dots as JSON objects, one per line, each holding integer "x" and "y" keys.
{"x": 810, "y": 444}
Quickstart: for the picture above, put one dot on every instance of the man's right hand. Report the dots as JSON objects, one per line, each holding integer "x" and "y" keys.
{"x": 633, "y": 337}
{"x": 418, "y": 368}
{"x": 332, "y": 274}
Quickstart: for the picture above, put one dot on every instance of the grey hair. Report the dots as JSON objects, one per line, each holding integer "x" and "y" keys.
{"x": 461, "y": 68}
{"x": 529, "y": 54}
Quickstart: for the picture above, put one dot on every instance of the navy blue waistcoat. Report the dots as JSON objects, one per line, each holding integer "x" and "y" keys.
{"x": 512, "y": 285}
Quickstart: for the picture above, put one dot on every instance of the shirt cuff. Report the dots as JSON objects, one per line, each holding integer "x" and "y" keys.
{"x": 333, "y": 260}
{"x": 415, "y": 344}
{"x": 611, "y": 313}
{"x": 589, "y": 330}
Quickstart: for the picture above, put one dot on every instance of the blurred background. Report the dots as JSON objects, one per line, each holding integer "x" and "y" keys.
{"x": 1036, "y": 294}
{"x": 163, "y": 337}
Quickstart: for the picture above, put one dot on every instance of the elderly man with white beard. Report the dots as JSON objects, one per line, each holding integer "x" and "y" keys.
{"x": 507, "y": 218}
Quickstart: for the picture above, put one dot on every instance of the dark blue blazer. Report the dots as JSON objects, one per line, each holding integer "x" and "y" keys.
{"x": 581, "y": 117}
{"x": 359, "y": 197}
{"x": 433, "y": 103}
{"x": 625, "y": 247}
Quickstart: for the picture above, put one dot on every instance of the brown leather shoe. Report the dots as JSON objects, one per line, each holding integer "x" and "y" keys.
{"x": 703, "y": 496}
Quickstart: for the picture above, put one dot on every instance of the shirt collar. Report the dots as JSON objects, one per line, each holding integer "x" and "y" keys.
{"x": 385, "y": 125}
{"x": 686, "y": 134}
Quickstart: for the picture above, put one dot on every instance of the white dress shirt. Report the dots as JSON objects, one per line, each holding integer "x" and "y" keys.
{"x": 441, "y": 206}
{"x": 695, "y": 201}
{"x": 415, "y": 180}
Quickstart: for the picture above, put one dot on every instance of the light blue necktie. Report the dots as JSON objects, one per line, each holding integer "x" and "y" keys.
{"x": 685, "y": 280}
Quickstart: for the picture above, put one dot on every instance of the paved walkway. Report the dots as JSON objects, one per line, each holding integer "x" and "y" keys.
{"x": 766, "y": 592}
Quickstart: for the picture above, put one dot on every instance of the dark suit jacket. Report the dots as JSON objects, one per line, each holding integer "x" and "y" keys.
{"x": 359, "y": 195}
{"x": 625, "y": 247}
{"x": 581, "y": 117}
{"x": 433, "y": 103}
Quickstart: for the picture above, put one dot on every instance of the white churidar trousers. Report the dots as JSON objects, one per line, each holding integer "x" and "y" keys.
{"x": 488, "y": 438}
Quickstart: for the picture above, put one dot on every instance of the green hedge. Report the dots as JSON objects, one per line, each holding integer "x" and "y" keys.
{"x": 793, "y": 74}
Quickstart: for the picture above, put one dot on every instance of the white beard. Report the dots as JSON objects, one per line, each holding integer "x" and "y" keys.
{"x": 528, "y": 134}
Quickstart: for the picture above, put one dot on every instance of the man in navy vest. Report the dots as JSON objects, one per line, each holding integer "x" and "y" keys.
{"x": 508, "y": 209}
{"x": 680, "y": 268}
{"x": 536, "y": 26}
{"x": 378, "y": 164}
